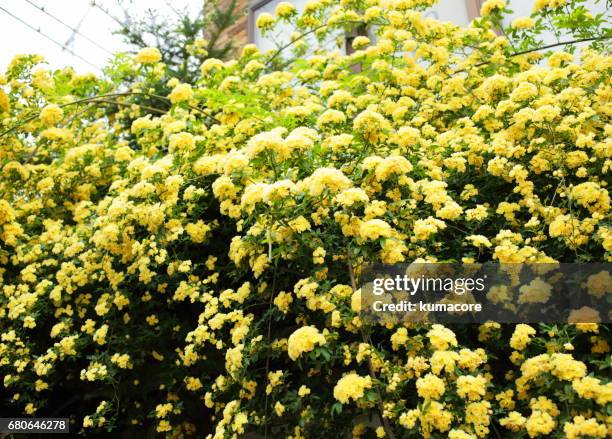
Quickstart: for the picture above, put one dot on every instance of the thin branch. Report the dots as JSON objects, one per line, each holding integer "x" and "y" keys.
{"x": 537, "y": 49}
{"x": 381, "y": 408}
{"x": 78, "y": 101}
{"x": 101, "y": 98}
{"x": 79, "y": 113}
{"x": 268, "y": 338}
{"x": 302, "y": 36}
{"x": 74, "y": 116}
{"x": 126, "y": 104}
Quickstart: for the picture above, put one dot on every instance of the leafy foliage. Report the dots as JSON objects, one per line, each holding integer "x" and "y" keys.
{"x": 184, "y": 41}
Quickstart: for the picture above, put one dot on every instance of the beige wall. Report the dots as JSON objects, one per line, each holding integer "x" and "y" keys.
{"x": 238, "y": 32}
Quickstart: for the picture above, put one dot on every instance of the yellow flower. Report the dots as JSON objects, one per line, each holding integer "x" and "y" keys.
{"x": 372, "y": 125}
{"x": 303, "y": 391}
{"x": 471, "y": 387}
{"x": 441, "y": 338}
{"x": 304, "y": 339}
{"x": 537, "y": 291}
{"x": 122, "y": 361}
{"x": 284, "y": 10}
{"x": 524, "y": 91}
{"x": 430, "y": 387}
{"x": 264, "y": 21}
{"x": 513, "y": 422}
{"x": 539, "y": 423}
{"x": 566, "y": 368}
{"x": 542, "y": 4}
{"x": 7, "y": 214}
{"x": 360, "y": 42}
{"x": 330, "y": 117}
{"x": 5, "y": 103}
{"x": 51, "y": 115}
{"x": 100, "y": 335}
{"x": 283, "y": 300}
{"x": 434, "y": 416}
{"x": 479, "y": 241}
{"x": 181, "y": 142}
{"x": 162, "y": 410}
{"x": 163, "y": 426}
{"x": 148, "y": 55}
{"x": 279, "y": 408}
{"x": 233, "y": 359}
{"x": 521, "y": 336}
{"x": 375, "y": 229}
{"x": 523, "y": 23}
{"x": 592, "y": 388}
{"x": 392, "y": 165}
{"x": 318, "y": 255}
{"x": 584, "y": 317}
{"x": 591, "y": 196}
{"x": 460, "y": 434}
{"x": 142, "y": 123}
{"x": 351, "y": 386}
{"x": 198, "y": 231}
{"x": 211, "y": 64}
{"x": 490, "y": 5}
{"x": 351, "y": 196}
{"x": 599, "y": 284}
{"x": 323, "y": 179}
{"x": 581, "y": 427}
{"x": 356, "y": 301}
{"x": 180, "y": 93}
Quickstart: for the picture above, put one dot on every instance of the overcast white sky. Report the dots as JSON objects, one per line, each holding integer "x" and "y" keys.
{"x": 91, "y": 21}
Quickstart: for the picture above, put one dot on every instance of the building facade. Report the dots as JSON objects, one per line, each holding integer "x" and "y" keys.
{"x": 459, "y": 12}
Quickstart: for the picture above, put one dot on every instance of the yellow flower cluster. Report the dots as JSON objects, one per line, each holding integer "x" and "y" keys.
{"x": 303, "y": 340}
{"x": 200, "y": 260}
{"x": 351, "y": 386}
{"x": 148, "y": 55}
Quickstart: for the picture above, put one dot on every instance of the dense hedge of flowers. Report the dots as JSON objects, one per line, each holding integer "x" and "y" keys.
{"x": 181, "y": 257}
